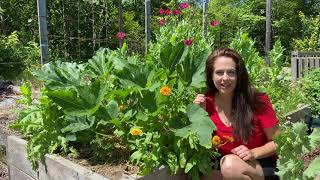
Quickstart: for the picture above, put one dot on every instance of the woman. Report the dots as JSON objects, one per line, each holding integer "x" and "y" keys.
{"x": 245, "y": 120}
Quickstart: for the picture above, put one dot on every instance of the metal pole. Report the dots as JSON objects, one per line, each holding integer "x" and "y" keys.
{"x": 268, "y": 31}
{"x": 43, "y": 31}
{"x": 147, "y": 23}
{"x": 205, "y": 19}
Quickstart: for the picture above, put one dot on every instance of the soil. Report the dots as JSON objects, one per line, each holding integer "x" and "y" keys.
{"x": 111, "y": 170}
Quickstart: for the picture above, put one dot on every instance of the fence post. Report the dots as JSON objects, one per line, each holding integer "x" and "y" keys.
{"x": 268, "y": 31}
{"x": 205, "y": 19}
{"x": 43, "y": 31}
{"x": 147, "y": 23}
{"x": 294, "y": 65}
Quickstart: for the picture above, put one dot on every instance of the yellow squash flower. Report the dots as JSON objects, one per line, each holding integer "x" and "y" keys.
{"x": 216, "y": 140}
{"x": 165, "y": 90}
{"x": 136, "y": 131}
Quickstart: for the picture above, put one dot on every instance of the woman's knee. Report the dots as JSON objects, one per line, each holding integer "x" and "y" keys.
{"x": 231, "y": 166}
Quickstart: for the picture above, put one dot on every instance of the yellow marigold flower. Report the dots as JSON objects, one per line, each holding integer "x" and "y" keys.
{"x": 216, "y": 140}
{"x": 136, "y": 131}
{"x": 229, "y": 138}
{"x": 165, "y": 90}
{"x": 121, "y": 108}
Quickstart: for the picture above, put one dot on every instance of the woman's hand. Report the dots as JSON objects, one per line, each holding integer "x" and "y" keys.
{"x": 200, "y": 100}
{"x": 244, "y": 153}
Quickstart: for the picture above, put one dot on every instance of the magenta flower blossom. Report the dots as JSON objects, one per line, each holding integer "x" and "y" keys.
{"x": 167, "y": 12}
{"x": 176, "y": 12}
{"x": 214, "y": 23}
{"x": 164, "y": 11}
{"x": 184, "y": 5}
{"x": 187, "y": 42}
{"x": 161, "y": 11}
{"x": 162, "y": 22}
{"x": 121, "y": 35}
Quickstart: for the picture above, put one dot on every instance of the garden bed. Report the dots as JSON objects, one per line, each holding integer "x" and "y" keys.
{"x": 14, "y": 163}
{"x": 56, "y": 167}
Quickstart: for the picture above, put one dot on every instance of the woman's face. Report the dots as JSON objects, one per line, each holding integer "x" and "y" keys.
{"x": 224, "y": 75}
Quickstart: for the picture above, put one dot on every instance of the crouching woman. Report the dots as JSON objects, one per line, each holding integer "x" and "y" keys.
{"x": 244, "y": 117}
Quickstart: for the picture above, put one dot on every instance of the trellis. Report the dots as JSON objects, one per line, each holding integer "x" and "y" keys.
{"x": 97, "y": 40}
{"x": 71, "y": 39}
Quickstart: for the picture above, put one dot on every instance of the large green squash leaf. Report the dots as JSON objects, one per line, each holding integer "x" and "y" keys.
{"x": 201, "y": 125}
{"x": 60, "y": 75}
{"x": 131, "y": 72}
{"x": 99, "y": 64}
{"x": 85, "y": 102}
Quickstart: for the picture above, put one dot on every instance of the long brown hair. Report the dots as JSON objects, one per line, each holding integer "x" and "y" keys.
{"x": 245, "y": 100}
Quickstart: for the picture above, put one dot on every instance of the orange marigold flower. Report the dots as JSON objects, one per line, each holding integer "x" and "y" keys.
{"x": 216, "y": 140}
{"x": 165, "y": 90}
{"x": 136, "y": 131}
{"x": 229, "y": 138}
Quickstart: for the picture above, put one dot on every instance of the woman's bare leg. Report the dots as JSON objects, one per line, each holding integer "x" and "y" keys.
{"x": 233, "y": 168}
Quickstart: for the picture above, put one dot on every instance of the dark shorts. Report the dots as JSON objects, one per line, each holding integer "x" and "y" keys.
{"x": 269, "y": 167}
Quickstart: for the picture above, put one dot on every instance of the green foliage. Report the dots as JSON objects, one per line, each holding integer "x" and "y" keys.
{"x": 79, "y": 112}
{"x": 292, "y": 143}
{"x": 286, "y": 95}
{"x": 250, "y": 17}
{"x": 310, "y": 40}
{"x": 100, "y": 102}
{"x": 17, "y": 58}
{"x": 201, "y": 125}
{"x": 274, "y": 79}
{"x": 311, "y": 87}
{"x": 254, "y": 63}
{"x": 26, "y": 91}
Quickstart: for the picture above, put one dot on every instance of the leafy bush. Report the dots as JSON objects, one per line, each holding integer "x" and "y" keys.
{"x": 16, "y": 58}
{"x": 292, "y": 143}
{"x": 310, "y": 40}
{"x": 311, "y": 87}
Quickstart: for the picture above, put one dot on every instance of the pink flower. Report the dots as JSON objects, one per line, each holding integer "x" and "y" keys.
{"x": 176, "y": 12}
{"x": 162, "y": 22}
{"x": 184, "y": 5}
{"x": 187, "y": 42}
{"x": 167, "y": 12}
{"x": 214, "y": 23}
{"x": 161, "y": 11}
{"x": 121, "y": 35}
{"x": 164, "y": 11}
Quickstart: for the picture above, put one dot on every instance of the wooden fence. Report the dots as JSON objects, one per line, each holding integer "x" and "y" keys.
{"x": 301, "y": 62}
